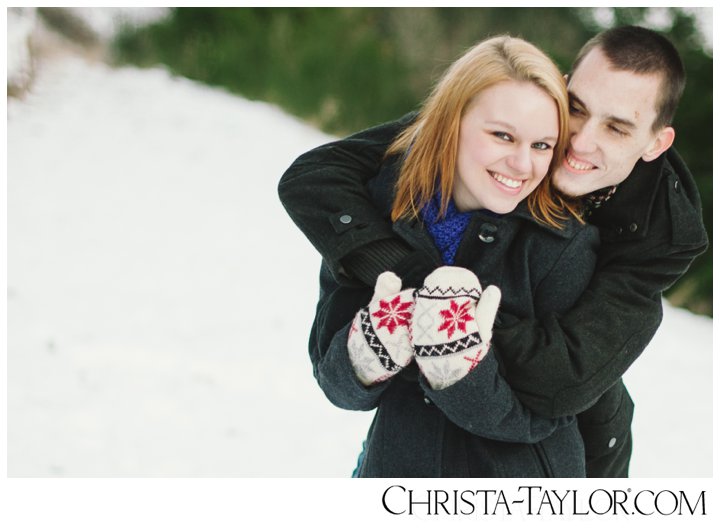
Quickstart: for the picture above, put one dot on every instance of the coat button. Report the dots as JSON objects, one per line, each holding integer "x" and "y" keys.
{"x": 487, "y": 233}
{"x": 677, "y": 186}
{"x": 345, "y": 219}
{"x": 428, "y": 402}
{"x": 633, "y": 227}
{"x": 612, "y": 442}
{"x": 619, "y": 230}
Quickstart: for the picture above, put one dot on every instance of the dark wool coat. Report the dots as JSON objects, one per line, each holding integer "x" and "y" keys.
{"x": 476, "y": 427}
{"x": 651, "y": 230}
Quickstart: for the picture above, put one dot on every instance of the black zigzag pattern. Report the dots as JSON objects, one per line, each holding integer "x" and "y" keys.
{"x": 444, "y": 349}
{"x": 374, "y": 342}
{"x": 437, "y": 292}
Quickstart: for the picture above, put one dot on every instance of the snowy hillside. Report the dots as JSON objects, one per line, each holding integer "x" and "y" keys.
{"x": 153, "y": 327}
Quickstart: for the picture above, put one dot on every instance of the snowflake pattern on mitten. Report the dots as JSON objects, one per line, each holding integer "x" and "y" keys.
{"x": 379, "y": 338}
{"x": 456, "y": 317}
{"x": 447, "y": 340}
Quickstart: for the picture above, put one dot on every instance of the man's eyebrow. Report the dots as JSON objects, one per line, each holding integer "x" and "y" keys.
{"x": 574, "y": 99}
{"x": 620, "y": 121}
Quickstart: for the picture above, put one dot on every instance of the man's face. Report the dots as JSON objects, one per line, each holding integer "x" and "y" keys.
{"x": 611, "y": 116}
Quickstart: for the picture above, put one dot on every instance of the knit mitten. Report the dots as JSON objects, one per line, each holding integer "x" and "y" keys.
{"x": 452, "y": 324}
{"x": 379, "y": 339}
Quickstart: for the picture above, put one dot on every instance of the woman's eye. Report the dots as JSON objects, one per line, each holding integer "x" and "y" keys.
{"x": 503, "y": 135}
{"x": 542, "y": 146}
{"x": 574, "y": 110}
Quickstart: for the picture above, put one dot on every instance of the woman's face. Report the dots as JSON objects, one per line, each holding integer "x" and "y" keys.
{"x": 507, "y": 137}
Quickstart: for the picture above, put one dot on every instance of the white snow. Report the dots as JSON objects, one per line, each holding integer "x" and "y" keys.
{"x": 105, "y": 21}
{"x": 160, "y": 299}
{"x": 159, "y": 296}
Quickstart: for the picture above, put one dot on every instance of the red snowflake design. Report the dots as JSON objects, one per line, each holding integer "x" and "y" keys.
{"x": 393, "y": 314}
{"x": 455, "y": 318}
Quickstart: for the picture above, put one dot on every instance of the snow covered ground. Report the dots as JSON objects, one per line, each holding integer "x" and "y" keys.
{"x": 153, "y": 329}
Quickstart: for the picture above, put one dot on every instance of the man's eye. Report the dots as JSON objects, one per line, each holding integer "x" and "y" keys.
{"x": 617, "y": 131}
{"x": 503, "y": 135}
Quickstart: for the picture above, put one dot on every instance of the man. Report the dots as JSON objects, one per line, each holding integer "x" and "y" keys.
{"x": 624, "y": 89}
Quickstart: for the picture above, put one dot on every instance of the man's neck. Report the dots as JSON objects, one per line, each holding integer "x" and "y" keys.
{"x": 597, "y": 198}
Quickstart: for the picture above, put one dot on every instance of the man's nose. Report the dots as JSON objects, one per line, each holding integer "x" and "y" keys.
{"x": 582, "y": 139}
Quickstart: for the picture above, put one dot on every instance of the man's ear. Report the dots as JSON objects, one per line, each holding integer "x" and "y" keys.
{"x": 663, "y": 140}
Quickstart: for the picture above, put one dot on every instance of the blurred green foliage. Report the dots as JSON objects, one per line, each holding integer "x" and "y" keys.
{"x": 344, "y": 69}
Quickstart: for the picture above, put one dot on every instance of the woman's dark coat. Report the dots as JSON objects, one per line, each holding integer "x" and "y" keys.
{"x": 476, "y": 427}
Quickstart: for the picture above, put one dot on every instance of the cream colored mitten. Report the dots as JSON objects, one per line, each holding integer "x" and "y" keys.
{"x": 452, "y": 324}
{"x": 379, "y": 338}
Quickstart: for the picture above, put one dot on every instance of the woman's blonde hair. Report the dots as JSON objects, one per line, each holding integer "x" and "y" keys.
{"x": 430, "y": 144}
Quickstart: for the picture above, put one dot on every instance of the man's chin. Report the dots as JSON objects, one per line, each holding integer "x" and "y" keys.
{"x": 567, "y": 189}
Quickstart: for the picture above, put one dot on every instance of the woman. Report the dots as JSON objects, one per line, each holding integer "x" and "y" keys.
{"x": 465, "y": 183}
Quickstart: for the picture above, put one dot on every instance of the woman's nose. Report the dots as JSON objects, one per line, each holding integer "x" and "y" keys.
{"x": 520, "y": 161}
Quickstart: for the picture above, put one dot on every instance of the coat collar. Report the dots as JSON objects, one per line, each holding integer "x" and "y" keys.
{"x": 627, "y": 214}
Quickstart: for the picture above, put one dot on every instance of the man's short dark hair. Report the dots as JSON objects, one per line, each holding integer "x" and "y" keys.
{"x": 643, "y": 51}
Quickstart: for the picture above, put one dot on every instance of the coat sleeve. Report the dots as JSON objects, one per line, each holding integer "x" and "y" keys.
{"x": 324, "y": 192}
{"x": 483, "y": 402}
{"x": 585, "y": 351}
